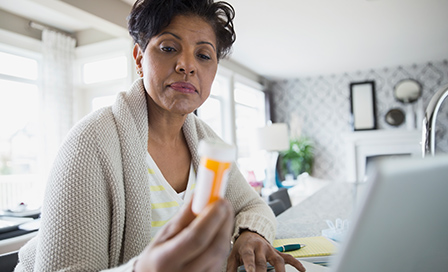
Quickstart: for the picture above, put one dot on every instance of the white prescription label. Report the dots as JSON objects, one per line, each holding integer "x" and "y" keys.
{"x": 203, "y": 189}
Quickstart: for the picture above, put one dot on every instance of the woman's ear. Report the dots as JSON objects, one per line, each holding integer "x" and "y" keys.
{"x": 138, "y": 55}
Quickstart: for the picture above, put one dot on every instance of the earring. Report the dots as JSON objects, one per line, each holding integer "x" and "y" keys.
{"x": 139, "y": 72}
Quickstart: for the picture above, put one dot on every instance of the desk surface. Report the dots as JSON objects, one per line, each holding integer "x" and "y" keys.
{"x": 307, "y": 218}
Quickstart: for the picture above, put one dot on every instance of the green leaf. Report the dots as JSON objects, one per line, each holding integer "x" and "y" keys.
{"x": 298, "y": 158}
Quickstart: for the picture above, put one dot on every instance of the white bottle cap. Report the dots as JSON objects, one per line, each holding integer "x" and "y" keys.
{"x": 218, "y": 151}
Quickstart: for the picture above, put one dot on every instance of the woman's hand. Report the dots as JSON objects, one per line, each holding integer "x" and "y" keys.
{"x": 190, "y": 243}
{"x": 254, "y": 252}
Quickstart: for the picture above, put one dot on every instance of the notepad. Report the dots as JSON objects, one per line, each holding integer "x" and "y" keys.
{"x": 316, "y": 246}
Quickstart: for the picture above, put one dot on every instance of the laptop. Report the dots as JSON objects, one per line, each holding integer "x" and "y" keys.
{"x": 401, "y": 222}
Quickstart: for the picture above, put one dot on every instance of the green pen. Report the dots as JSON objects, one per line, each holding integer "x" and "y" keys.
{"x": 289, "y": 247}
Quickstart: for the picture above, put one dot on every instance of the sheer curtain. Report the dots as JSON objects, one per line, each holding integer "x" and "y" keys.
{"x": 57, "y": 91}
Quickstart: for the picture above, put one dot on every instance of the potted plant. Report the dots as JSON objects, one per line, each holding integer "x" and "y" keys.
{"x": 298, "y": 158}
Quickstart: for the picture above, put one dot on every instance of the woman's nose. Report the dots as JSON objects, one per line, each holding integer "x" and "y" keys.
{"x": 186, "y": 64}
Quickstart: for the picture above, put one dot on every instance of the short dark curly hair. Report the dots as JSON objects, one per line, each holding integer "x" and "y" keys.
{"x": 148, "y": 17}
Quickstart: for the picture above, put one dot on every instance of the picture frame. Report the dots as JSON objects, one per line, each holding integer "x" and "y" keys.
{"x": 363, "y": 105}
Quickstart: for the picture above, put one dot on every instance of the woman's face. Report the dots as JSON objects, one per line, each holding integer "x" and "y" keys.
{"x": 179, "y": 64}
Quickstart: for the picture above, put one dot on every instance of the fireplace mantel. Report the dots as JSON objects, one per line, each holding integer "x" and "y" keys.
{"x": 360, "y": 145}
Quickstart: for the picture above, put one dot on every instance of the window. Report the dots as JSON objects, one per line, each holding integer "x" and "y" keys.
{"x": 102, "y": 80}
{"x": 18, "y": 119}
{"x": 18, "y": 66}
{"x": 105, "y": 70}
{"x": 249, "y": 115}
{"x": 19, "y": 134}
{"x": 235, "y": 108}
{"x": 99, "y": 77}
{"x": 102, "y": 70}
{"x": 103, "y": 101}
{"x": 212, "y": 111}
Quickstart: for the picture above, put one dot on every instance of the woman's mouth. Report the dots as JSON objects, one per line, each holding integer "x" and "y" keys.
{"x": 183, "y": 87}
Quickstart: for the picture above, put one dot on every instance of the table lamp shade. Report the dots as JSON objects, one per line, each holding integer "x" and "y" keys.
{"x": 273, "y": 137}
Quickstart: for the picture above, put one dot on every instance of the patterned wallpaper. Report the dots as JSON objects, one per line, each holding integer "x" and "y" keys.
{"x": 319, "y": 108}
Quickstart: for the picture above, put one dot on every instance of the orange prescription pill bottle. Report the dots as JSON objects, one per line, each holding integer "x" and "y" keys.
{"x": 213, "y": 172}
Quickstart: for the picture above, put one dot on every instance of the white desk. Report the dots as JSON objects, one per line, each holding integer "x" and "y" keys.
{"x": 305, "y": 187}
{"x": 307, "y": 218}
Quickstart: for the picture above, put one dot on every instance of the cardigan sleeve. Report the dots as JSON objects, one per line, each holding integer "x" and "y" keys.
{"x": 251, "y": 211}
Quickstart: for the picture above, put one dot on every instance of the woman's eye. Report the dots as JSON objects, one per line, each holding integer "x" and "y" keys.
{"x": 204, "y": 57}
{"x": 168, "y": 49}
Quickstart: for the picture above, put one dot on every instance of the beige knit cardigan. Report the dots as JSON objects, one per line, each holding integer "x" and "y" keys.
{"x": 97, "y": 208}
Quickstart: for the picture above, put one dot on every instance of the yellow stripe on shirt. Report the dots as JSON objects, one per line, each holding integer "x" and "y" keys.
{"x": 164, "y": 205}
{"x": 156, "y": 188}
{"x": 151, "y": 171}
{"x": 156, "y": 224}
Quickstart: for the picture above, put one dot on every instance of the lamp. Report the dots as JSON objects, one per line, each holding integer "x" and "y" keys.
{"x": 272, "y": 138}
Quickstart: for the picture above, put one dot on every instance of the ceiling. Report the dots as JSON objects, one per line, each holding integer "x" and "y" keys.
{"x": 284, "y": 38}
{"x": 289, "y": 39}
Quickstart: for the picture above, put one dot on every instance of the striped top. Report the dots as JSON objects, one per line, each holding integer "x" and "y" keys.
{"x": 165, "y": 201}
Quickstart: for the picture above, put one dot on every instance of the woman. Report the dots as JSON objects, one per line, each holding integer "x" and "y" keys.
{"x": 125, "y": 171}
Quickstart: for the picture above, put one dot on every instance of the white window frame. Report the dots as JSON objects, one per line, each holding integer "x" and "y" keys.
{"x": 26, "y": 187}
{"x": 246, "y": 83}
{"x": 86, "y": 93}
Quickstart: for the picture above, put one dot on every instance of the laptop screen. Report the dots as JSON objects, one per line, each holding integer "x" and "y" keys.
{"x": 401, "y": 223}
